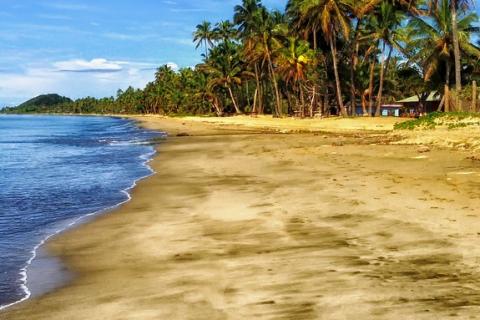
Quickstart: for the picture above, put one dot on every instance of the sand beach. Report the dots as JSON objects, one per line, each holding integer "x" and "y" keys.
{"x": 250, "y": 221}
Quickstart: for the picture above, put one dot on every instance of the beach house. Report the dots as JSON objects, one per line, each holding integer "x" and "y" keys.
{"x": 420, "y": 104}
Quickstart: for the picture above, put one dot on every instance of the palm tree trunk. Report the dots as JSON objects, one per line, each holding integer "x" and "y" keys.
{"x": 364, "y": 103}
{"x": 247, "y": 92}
{"x": 254, "y": 110}
{"x": 353, "y": 68}
{"x": 353, "y": 90}
{"x": 333, "y": 48}
{"x": 370, "y": 87}
{"x": 278, "y": 106}
{"x": 446, "y": 93}
{"x": 215, "y": 104}
{"x": 206, "y": 49}
{"x": 237, "y": 110}
{"x": 442, "y": 103}
{"x": 456, "y": 52}
{"x": 312, "y": 102}
{"x": 384, "y": 68}
{"x": 302, "y": 101}
{"x": 259, "y": 91}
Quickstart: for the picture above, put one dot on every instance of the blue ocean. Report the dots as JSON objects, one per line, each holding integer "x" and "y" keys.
{"x": 54, "y": 172}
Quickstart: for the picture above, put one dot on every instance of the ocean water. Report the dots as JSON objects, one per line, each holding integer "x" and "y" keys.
{"x": 54, "y": 172}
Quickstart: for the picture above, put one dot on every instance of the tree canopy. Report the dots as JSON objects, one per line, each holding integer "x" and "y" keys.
{"x": 316, "y": 57}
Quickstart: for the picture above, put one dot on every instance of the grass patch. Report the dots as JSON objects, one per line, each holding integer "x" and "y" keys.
{"x": 451, "y": 120}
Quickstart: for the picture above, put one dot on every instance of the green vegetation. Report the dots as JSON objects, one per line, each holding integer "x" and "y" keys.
{"x": 451, "y": 120}
{"x": 318, "y": 57}
{"x": 42, "y": 103}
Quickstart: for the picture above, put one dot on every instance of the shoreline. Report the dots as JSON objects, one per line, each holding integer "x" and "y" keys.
{"x": 40, "y": 250}
{"x": 178, "y": 237}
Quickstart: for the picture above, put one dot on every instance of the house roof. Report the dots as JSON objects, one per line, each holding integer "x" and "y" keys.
{"x": 433, "y": 96}
{"x": 391, "y": 106}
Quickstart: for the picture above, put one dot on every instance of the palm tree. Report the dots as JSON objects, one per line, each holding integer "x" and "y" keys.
{"x": 204, "y": 35}
{"x": 454, "y": 6}
{"x": 247, "y": 17}
{"x": 293, "y": 61}
{"x": 225, "y": 31}
{"x": 224, "y": 70}
{"x": 383, "y": 26}
{"x": 332, "y": 16}
{"x": 262, "y": 46}
{"x": 305, "y": 27}
{"x": 434, "y": 38}
{"x": 360, "y": 10}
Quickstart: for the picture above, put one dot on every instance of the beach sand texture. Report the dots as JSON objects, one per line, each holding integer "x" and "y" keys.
{"x": 238, "y": 225}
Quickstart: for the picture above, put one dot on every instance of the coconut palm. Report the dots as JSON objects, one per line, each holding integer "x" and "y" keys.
{"x": 455, "y": 5}
{"x": 204, "y": 35}
{"x": 293, "y": 61}
{"x": 262, "y": 46}
{"x": 332, "y": 17}
{"x": 434, "y": 38}
{"x": 307, "y": 28}
{"x": 225, "y": 70}
{"x": 383, "y": 26}
{"x": 360, "y": 11}
{"x": 225, "y": 31}
{"x": 245, "y": 16}
{"x": 248, "y": 17}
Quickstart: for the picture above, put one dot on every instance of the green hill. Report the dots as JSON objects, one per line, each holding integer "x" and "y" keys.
{"x": 44, "y": 103}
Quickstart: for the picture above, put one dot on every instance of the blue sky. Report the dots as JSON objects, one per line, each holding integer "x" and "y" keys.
{"x": 79, "y": 48}
{"x": 94, "y": 47}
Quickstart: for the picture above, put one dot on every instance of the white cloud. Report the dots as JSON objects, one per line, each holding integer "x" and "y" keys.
{"x": 94, "y": 65}
{"x": 98, "y": 78}
{"x": 173, "y": 65}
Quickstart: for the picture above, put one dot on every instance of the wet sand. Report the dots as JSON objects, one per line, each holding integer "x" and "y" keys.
{"x": 240, "y": 225}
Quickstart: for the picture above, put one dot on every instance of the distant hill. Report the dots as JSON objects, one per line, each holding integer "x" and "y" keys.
{"x": 44, "y": 103}
{"x": 44, "y": 100}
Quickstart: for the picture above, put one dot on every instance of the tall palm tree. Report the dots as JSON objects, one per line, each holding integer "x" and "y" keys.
{"x": 455, "y": 5}
{"x": 383, "y": 26}
{"x": 305, "y": 27}
{"x": 293, "y": 61}
{"x": 225, "y": 70}
{"x": 248, "y": 17}
{"x": 204, "y": 35}
{"x": 333, "y": 19}
{"x": 262, "y": 46}
{"x": 360, "y": 11}
{"x": 225, "y": 31}
{"x": 244, "y": 16}
{"x": 434, "y": 38}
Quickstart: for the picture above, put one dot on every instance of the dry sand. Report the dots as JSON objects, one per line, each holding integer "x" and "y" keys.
{"x": 264, "y": 226}
{"x": 467, "y": 139}
{"x": 281, "y": 125}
